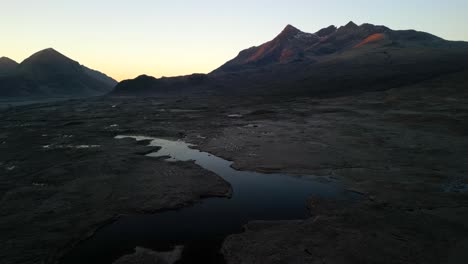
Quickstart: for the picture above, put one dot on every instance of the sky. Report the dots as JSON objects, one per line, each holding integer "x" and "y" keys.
{"x": 125, "y": 39}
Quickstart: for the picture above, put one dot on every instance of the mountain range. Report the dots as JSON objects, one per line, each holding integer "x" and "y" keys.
{"x": 333, "y": 60}
{"x": 49, "y": 73}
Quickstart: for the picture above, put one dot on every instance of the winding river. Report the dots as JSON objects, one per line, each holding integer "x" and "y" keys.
{"x": 202, "y": 227}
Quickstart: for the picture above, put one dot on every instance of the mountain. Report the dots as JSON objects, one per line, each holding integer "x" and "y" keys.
{"x": 168, "y": 86}
{"x": 49, "y": 73}
{"x": 333, "y": 60}
{"x": 7, "y": 66}
{"x": 294, "y": 45}
{"x": 288, "y": 46}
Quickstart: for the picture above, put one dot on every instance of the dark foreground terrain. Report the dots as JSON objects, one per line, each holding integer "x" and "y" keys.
{"x": 63, "y": 175}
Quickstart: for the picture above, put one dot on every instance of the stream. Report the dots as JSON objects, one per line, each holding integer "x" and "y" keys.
{"x": 201, "y": 228}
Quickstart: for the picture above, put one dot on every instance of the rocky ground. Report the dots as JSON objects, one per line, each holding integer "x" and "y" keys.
{"x": 146, "y": 256}
{"x": 63, "y": 174}
{"x": 405, "y": 149}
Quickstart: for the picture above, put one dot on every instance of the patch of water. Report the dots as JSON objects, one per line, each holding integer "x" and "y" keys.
{"x": 179, "y": 110}
{"x": 70, "y": 146}
{"x": 202, "y": 228}
{"x": 457, "y": 186}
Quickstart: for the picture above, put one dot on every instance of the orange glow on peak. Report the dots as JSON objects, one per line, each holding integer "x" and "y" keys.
{"x": 370, "y": 39}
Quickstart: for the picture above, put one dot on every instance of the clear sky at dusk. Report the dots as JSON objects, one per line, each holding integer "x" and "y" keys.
{"x": 165, "y": 38}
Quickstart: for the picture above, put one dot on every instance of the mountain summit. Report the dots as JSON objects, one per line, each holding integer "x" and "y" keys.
{"x": 288, "y": 32}
{"x": 43, "y": 64}
{"x": 7, "y": 66}
{"x": 350, "y": 25}
{"x": 48, "y": 57}
{"x": 289, "y": 45}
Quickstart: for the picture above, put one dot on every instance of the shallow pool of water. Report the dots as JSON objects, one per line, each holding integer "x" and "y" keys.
{"x": 201, "y": 228}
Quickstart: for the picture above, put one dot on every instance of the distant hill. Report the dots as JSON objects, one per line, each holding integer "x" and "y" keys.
{"x": 49, "y": 73}
{"x": 333, "y": 60}
{"x": 7, "y": 66}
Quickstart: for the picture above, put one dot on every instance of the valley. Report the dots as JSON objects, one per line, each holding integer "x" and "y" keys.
{"x": 405, "y": 154}
{"x": 347, "y": 145}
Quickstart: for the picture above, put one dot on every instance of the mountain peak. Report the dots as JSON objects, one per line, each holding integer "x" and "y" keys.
{"x": 348, "y": 28}
{"x": 7, "y": 60}
{"x": 351, "y": 24}
{"x": 42, "y": 63}
{"x": 7, "y": 66}
{"x": 290, "y": 27}
{"x": 49, "y": 52}
{"x": 288, "y": 32}
{"x": 326, "y": 31}
{"x": 48, "y": 55}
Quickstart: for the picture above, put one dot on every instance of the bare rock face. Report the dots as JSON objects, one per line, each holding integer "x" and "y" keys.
{"x": 146, "y": 256}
